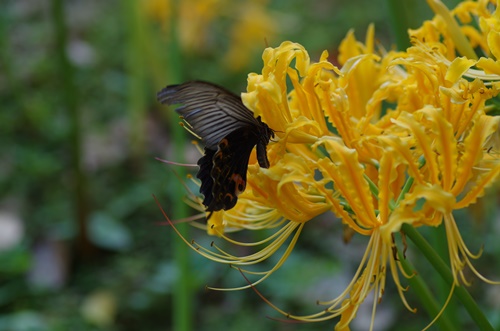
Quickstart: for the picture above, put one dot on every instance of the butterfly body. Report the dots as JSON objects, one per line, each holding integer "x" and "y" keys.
{"x": 229, "y": 131}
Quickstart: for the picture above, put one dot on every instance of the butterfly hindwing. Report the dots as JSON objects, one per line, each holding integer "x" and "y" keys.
{"x": 205, "y": 176}
{"x": 228, "y": 170}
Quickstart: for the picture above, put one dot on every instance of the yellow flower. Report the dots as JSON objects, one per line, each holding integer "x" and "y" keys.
{"x": 449, "y": 38}
{"x": 453, "y": 129}
{"x": 292, "y": 192}
{"x": 340, "y": 148}
{"x": 454, "y": 175}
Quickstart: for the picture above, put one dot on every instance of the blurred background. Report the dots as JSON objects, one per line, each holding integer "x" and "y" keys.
{"x": 82, "y": 246}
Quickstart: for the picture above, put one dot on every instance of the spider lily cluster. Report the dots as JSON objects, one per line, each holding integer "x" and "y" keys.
{"x": 383, "y": 139}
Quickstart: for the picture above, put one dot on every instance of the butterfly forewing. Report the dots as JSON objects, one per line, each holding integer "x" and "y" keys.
{"x": 229, "y": 131}
{"x": 210, "y": 110}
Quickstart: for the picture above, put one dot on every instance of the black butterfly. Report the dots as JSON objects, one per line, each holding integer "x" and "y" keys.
{"x": 229, "y": 131}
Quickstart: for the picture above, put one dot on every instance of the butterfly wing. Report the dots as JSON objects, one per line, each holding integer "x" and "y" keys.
{"x": 212, "y": 111}
{"x": 229, "y": 132}
{"x": 223, "y": 173}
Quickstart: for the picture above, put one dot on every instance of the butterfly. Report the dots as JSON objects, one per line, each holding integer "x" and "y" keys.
{"x": 229, "y": 131}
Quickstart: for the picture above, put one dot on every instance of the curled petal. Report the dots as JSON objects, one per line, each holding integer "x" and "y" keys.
{"x": 484, "y": 127}
{"x": 411, "y": 211}
{"x": 347, "y": 174}
{"x": 457, "y": 68}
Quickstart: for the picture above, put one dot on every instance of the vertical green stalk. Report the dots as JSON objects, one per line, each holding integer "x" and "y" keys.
{"x": 409, "y": 14}
{"x": 183, "y": 293}
{"x": 440, "y": 245}
{"x": 6, "y": 58}
{"x": 403, "y": 15}
{"x": 70, "y": 102}
{"x": 136, "y": 68}
{"x": 422, "y": 291}
{"x": 442, "y": 268}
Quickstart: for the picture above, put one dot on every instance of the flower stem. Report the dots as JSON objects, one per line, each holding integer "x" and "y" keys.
{"x": 441, "y": 267}
{"x": 71, "y": 103}
{"x": 402, "y": 17}
{"x": 137, "y": 98}
{"x": 425, "y": 295}
{"x": 183, "y": 292}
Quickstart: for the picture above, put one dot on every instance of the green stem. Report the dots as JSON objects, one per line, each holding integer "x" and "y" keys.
{"x": 136, "y": 60}
{"x": 439, "y": 242}
{"x": 420, "y": 288}
{"x": 183, "y": 292}
{"x": 6, "y": 65}
{"x": 403, "y": 16}
{"x": 70, "y": 102}
{"x": 442, "y": 268}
